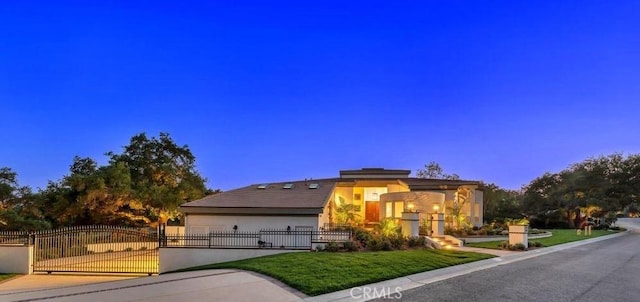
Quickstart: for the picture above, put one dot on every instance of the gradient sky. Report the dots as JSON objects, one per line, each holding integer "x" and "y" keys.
{"x": 499, "y": 91}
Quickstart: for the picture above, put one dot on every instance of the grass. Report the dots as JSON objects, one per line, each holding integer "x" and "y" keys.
{"x": 6, "y": 276}
{"x": 322, "y": 272}
{"x": 559, "y": 237}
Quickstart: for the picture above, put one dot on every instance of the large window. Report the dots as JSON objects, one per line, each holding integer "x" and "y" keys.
{"x": 388, "y": 213}
{"x": 398, "y": 209}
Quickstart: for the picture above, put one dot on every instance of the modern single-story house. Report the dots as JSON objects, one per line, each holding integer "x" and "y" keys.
{"x": 373, "y": 193}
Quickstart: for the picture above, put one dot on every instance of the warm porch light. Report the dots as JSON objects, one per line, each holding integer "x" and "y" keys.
{"x": 436, "y": 208}
{"x": 410, "y": 206}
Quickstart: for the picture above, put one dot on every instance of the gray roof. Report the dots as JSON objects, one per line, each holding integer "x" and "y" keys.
{"x": 273, "y": 199}
{"x": 300, "y": 199}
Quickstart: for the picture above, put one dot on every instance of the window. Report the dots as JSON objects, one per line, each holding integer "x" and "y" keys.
{"x": 288, "y": 186}
{"x": 313, "y": 186}
{"x": 388, "y": 212}
{"x": 263, "y": 186}
{"x": 398, "y": 209}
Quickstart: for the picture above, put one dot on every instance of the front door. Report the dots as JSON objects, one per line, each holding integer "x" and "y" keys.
{"x": 372, "y": 211}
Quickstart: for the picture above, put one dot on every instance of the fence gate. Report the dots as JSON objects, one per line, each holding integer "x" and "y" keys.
{"x": 96, "y": 249}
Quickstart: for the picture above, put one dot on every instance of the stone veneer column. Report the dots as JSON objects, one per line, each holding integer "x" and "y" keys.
{"x": 519, "y": 234}
{"x": 437, "y": 224}
{"x": 410, "y": 224}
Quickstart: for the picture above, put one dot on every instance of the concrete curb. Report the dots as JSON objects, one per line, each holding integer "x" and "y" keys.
{"x": 393, "y": 286}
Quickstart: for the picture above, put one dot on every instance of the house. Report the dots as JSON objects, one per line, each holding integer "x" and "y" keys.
{"x": 373, "y": 193}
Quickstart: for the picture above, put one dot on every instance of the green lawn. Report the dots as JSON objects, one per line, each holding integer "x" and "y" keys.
{"x": 6, "y": 276}
{"x": 322, "y": 272}
{"x": 559, "y": 237}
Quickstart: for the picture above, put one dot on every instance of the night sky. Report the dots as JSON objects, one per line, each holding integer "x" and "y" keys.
{"x": 500, "y": 91}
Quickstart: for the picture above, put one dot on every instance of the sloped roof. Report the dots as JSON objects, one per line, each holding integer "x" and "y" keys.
{"x": 301, "y": 198}
{"x": 274, "y": 196}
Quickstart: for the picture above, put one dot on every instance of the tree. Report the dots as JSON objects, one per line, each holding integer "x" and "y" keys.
{"x": 501, "y": 203}
{"x": 18, "y": 207}
{"x": 163, "y": 174}
{"x": 434, "y": 171}
{"x": 595, "y": 186}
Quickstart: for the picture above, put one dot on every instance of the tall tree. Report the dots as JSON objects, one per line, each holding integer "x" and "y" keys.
{"x": 433, "y": 170}
{"x": 163, "y": 174}
{"x": 19, "y": 209}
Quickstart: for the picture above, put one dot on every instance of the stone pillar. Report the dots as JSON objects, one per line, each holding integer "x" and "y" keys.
{"x": 410, "y": 224}
{"x": 437, "y": 224}
{"x": 519, "y": 234}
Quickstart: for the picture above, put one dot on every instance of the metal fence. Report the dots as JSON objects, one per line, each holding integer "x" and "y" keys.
{"x": 263, "y": 239}
{"x": 14, "y": 238}
{"x": 96, "y": 249}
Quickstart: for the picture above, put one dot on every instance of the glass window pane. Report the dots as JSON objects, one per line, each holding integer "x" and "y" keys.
{"x": 399, "y": 208}
{"x": 388, "y": 209}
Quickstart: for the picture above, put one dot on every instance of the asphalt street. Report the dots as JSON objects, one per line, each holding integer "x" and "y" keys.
{"x": 603, "y": 271}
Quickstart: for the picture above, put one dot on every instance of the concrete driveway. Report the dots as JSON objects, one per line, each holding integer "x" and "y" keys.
{"x": 210, "y": 285}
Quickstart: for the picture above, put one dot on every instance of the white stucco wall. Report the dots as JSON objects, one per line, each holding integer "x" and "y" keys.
{"x": 172, "y": 259}
{"x": 16, "y": 259}
{"x": 196, "y": 223}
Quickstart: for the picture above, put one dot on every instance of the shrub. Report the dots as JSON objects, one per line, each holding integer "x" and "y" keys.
{"x": 504, "y": 245}
{"x": 129, "y": 249}
{"x": 535, "y": 244}
{"x": 416, "y": 241}
{"x": 144, "y": 248}
{"x": 351, "y": 246}
{"x": 386, "y": 245}
{"x": 397, "y": 241}
{"x": 517, "y": 246}
{"x": 319, "y": 248}
{"x": 332, "y": 246}
{"x": 615, "y": 228}
{"x": 388, "y": 227}
{"x": 362, "y": 236}
{"x": 379, "y": 243}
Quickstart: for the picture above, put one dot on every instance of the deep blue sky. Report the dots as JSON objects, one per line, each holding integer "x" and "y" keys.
{"x": 500, "y": 91}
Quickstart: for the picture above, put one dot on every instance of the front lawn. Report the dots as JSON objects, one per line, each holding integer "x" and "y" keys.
{"x": 559, "y": 237}
{"x": 316, "y": 273}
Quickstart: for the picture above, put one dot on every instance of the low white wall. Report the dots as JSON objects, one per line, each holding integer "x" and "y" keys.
{"x": 16, "y": 259}
{"x": 498, "y": 238}
{"x": 172, "y": 259}
{"x": 122, "y": 246}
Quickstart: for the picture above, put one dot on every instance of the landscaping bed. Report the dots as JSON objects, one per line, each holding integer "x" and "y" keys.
{"x": 559, "y": 236}
{"x": 321, "y": 272}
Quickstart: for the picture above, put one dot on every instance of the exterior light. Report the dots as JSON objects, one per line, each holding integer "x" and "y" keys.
{"x": 235, "y": 228}
{"x": 436, "y": 208}
{"x": 410, "y": 206}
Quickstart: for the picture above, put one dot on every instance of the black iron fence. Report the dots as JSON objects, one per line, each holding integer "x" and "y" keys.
{"x": 90, "y": 249}
{"x": 15, "y": 238}
{"x": 263, "y": 239}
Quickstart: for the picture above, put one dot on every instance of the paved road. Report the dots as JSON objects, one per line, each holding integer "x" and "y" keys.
{"x": 603, "y": 271}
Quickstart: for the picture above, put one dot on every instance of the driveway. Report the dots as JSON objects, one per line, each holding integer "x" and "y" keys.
{"x": 211, "y": 285}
